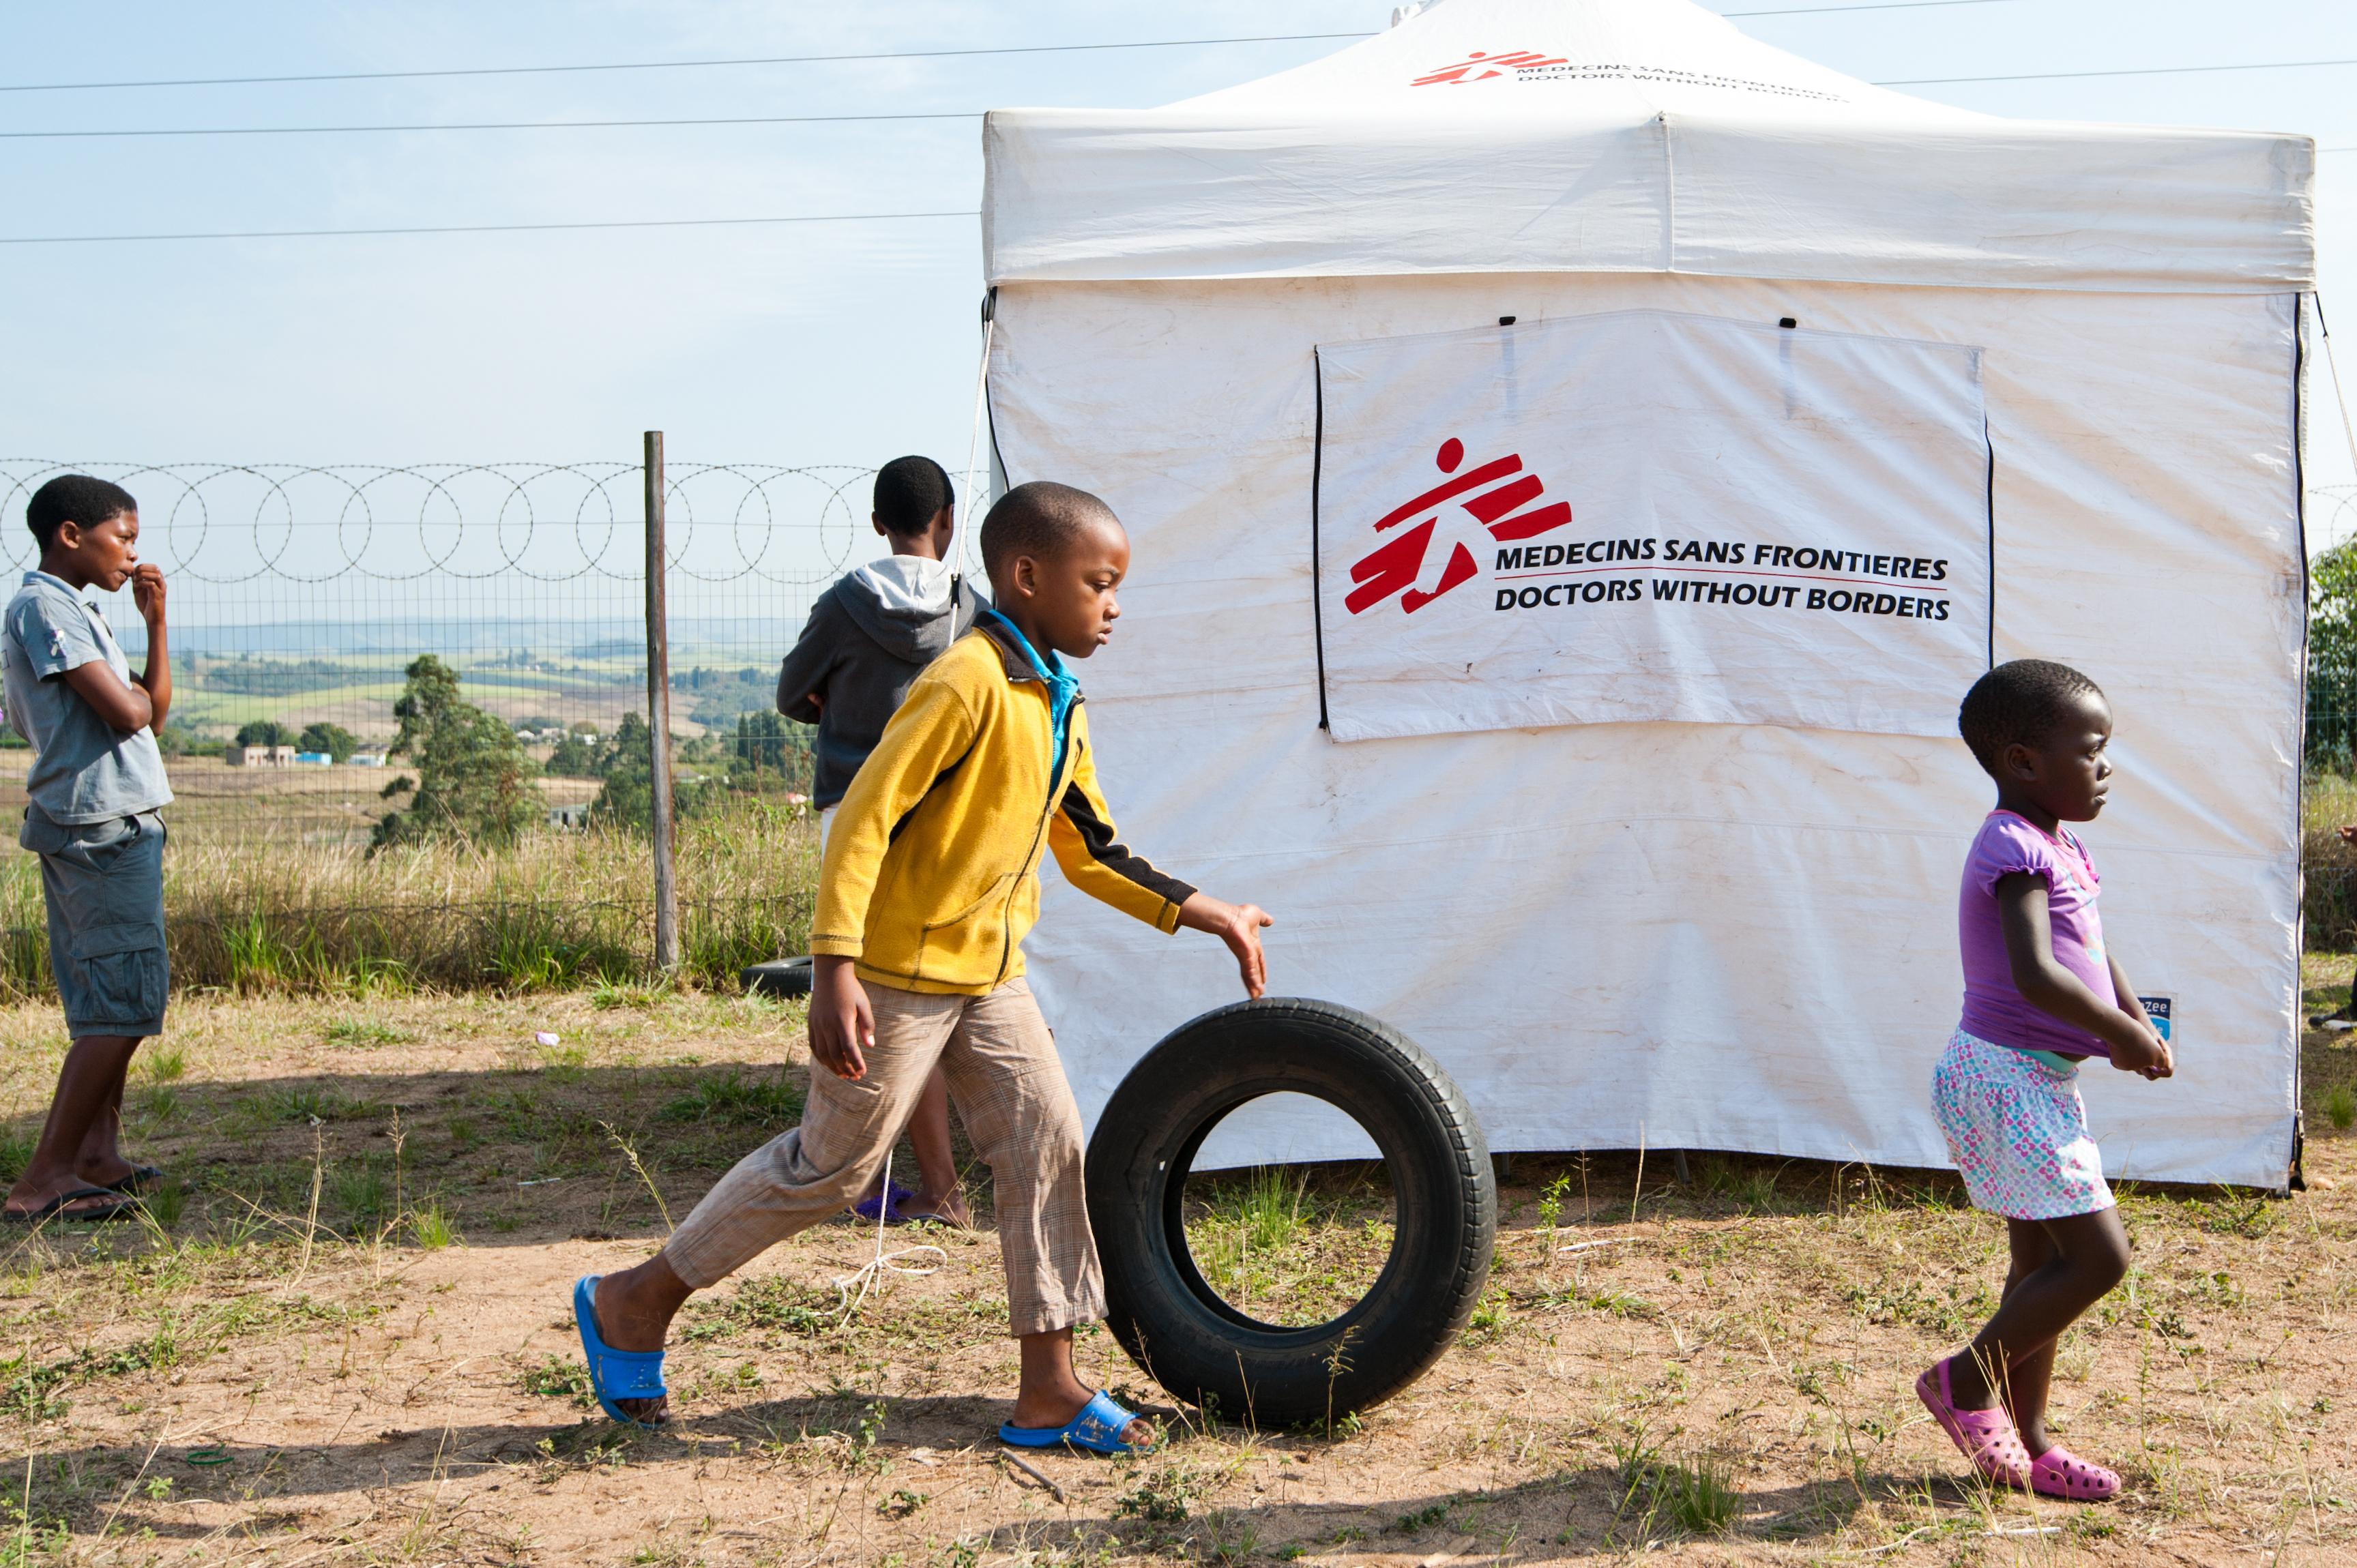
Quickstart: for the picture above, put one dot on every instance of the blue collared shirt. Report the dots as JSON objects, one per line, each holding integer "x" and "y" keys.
{"x": 1063, "y": 686}
{"x": 84, "y": 769}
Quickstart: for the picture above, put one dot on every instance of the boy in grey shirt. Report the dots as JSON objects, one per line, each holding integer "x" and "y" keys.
{"x": 869, "y": 639}
{"x": 94, "y": 789}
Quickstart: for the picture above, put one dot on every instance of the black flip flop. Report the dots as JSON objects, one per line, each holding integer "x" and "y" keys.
{"x": 142, "y": 1179}
{"x": 56, "y": 1208}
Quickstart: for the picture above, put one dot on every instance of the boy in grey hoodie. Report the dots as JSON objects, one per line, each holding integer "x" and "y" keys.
{"x": 867, "y": 640}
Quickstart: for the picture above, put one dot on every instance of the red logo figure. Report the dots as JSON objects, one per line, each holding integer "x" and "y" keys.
{"x": 1481, "y": 65}
{"x": 1397, "y": 565}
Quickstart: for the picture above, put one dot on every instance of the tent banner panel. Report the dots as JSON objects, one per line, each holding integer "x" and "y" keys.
{"x": 1648, "y": 517}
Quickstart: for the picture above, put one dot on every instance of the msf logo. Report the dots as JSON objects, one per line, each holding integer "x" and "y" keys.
{"x": 1481, "y": 65}
{"x": 1489, "y": 496}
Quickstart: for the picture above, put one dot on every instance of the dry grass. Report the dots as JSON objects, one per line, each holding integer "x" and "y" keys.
{"x": 1729, "y": 1381}
{"x": 259, "y": 917}
{"x": 2328, "y": 801}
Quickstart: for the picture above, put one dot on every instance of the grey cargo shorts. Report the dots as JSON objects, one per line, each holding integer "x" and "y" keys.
{"x": 103, "y": 883}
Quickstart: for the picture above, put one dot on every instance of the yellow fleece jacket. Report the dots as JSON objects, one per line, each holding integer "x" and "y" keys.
{"x": 930, "y": 879}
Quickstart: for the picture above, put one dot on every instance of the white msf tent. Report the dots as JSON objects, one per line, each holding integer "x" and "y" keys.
{"x": 1576, "y": 458}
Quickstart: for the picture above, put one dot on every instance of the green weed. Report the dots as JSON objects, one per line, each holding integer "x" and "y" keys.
{"x": 1164, "y": 1496}
{"x": 613, "y": 994}
{"x": 1271, "y": 1248}
{"x": 1697, "y": 1497}
{"x": 363, "y": 1033}
{"x": 1954, "y": 1315}
{"x": 773, "y": 1304}
{"x": 763, "y": 1101}
{"x": 361, "y": 1190}
{"x": 168, "y": 1204}
{"x": 558, "y": 1378}
{"x": 1423, "y": 1519}
{"x": 304, "y": 1104}
{"x": 430, "y": 1228}
{"x": 2341, "y": 1107}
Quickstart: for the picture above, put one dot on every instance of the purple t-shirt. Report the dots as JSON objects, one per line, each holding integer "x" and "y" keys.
{"x": 1993, "y": 1010}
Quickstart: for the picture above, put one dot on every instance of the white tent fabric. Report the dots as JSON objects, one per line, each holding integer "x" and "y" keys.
{"x": 1628, "y": 135}
{"x": 1702, "y": 935}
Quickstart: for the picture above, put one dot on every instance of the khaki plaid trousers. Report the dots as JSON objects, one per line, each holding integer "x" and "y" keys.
{"x": 1019, "y": 1111}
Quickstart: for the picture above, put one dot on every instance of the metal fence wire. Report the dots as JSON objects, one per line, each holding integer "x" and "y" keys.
{"x": 309, "y": 603}
{"x": 505, "y": 843}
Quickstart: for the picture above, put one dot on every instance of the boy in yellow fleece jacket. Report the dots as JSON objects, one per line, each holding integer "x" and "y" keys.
{"x": 928, "y": 884}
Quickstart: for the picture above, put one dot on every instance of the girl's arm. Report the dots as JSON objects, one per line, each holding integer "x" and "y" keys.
{"x": 2046, "y": 985}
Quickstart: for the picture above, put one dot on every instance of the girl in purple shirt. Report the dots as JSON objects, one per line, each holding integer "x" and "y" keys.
{"x": 2041, "y": 995}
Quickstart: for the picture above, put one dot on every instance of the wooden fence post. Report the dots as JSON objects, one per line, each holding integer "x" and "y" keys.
{"x": 658, "y": 717}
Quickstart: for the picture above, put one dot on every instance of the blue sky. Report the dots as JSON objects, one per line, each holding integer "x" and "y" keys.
{"x": 822, "y": 344}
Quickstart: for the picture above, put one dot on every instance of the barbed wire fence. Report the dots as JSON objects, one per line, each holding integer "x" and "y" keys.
{"x": 302, "y": 600}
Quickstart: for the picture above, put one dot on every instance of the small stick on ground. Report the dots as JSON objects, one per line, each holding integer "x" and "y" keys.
{"x": 311, "y": 1221}
{"x": 1035, "y": 1472}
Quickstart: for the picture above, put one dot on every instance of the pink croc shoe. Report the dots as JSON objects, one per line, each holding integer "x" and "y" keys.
{"x": 2059, "y": 1473}
{"x": 1985, "y": 1438}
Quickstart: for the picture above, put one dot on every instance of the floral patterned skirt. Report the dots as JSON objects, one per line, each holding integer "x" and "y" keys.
{"x": 2018, "y": 1131}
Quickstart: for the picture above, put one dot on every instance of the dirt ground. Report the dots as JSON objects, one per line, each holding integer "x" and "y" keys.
{"x": 343, "y": 1337}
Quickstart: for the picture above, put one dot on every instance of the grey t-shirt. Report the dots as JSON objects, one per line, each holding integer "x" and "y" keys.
{"x": 85, "y": 770}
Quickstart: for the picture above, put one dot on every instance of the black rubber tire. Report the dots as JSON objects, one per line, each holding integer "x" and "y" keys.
{"x": 1445, "y": 1202}
{"x": 779, "y": 977}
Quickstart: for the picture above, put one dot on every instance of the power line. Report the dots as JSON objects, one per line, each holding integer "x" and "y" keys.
{"x": 479, "y": 126}
{"x": 670, "y": 64}
{"x": 835, "y": 59}
{"x": 2146, "y": 71}
{"x": 972, "y": 114}
{"x": 478, "y": 228}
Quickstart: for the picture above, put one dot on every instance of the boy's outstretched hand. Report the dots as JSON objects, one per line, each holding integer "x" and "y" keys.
{"x": 841, "y": 1024}
{"x": 1239, "y": 926}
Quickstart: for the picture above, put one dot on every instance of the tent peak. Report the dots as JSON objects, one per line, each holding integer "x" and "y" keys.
{"x": 1630, "y": 137}
{"x": 1622, "y": 58}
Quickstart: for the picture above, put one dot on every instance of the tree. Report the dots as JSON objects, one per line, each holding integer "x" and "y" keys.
{"x": 573, "y": 759}
{"x": 627, "y": 797}
{"x": 761, "y": 740}
{"x": 264, "y": 732}
{"x": 474, "y": 781}
{"x": 2332, "y": 657}
{"x": 337, "y": 741}
{"x": 628, "y": 766}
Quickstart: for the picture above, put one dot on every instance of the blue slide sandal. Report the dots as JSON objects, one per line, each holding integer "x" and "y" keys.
{"x": 1097, "y": 1428}
{"x": 618, "y": 1374}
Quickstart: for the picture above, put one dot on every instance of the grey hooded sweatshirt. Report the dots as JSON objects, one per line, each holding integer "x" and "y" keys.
{"x": 869, "y": 639}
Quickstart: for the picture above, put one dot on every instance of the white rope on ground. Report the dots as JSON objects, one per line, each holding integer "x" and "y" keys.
{"x": 853, "y": 1289}
{"x": 973, "y": 519}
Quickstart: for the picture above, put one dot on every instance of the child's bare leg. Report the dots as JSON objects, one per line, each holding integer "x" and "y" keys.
{"x": 1050, "y": 1393}
{"x": 92, "y": 1073}
{"x": 634, "y": 1311}
{"x": 99, "y": 1159}
{"x": 2089, "y": 1255}
{"x": 2026, "y": 1380}
{"x": 937, "y": 1178}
